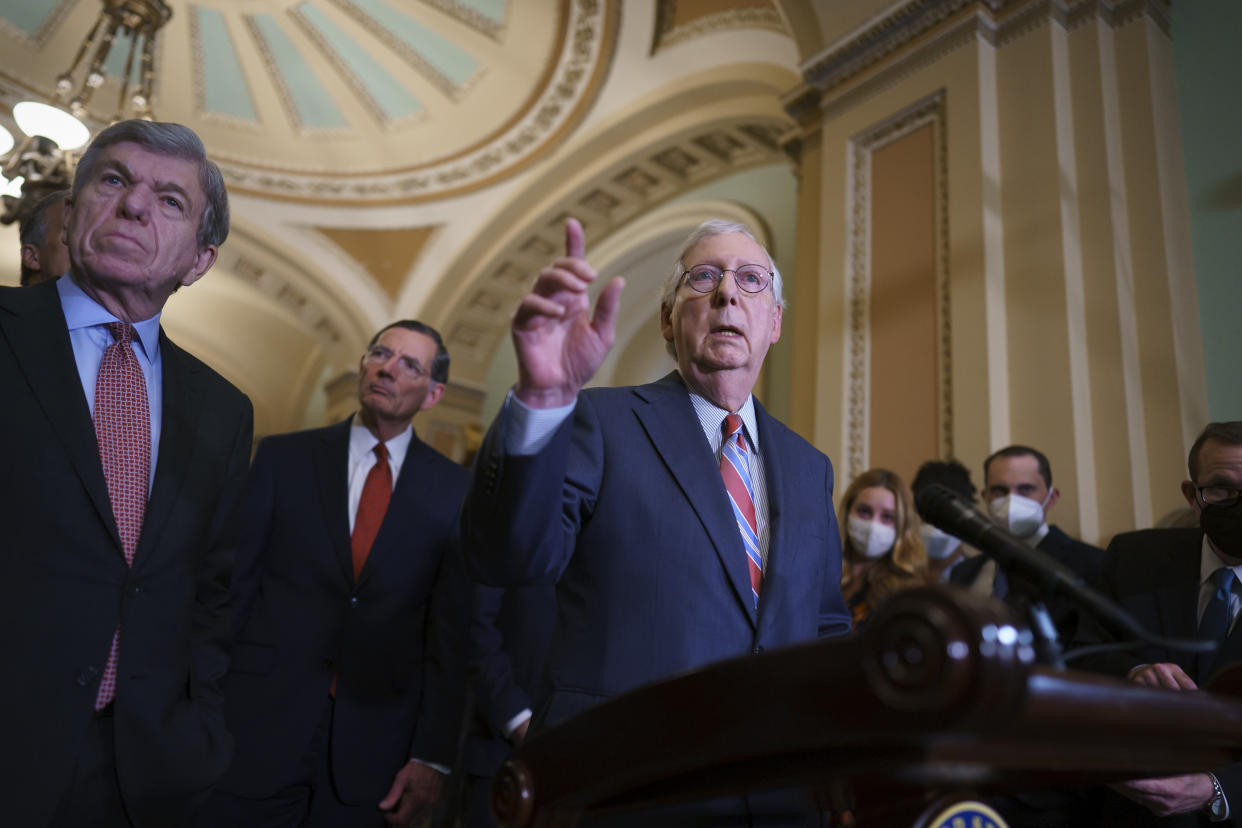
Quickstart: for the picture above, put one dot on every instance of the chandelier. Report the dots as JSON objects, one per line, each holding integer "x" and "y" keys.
{"x": 139, "y": 20}
{"x": 43, "y": 161}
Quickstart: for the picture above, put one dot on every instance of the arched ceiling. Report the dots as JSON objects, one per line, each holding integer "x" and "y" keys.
{"x": 397, "y": 158}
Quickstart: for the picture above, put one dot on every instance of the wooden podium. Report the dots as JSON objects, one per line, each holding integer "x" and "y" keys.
{"x": 937, "y": 699}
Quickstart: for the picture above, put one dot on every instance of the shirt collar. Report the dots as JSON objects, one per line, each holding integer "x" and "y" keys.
{"x": 81, "y": 311}
{"x": 362, "y": 442}
{"x": 711, "y": 415}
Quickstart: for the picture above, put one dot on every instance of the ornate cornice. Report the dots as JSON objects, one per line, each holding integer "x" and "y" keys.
{"x": 914, "y": 26}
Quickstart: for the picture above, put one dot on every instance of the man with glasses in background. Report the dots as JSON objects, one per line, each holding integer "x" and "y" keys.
{"x": 681, "y": 522}
{"x": 350, "y": 610}
{"x": 1181, "y": 583}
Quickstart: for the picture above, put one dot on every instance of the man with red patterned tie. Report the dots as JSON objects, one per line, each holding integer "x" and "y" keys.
{"x": 122, "y": 459}
{"x": 351, "y": 610}
{"x": 681, "y": 523}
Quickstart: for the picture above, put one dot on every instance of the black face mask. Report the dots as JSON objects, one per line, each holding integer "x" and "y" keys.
{"x": 1223, "y": 524}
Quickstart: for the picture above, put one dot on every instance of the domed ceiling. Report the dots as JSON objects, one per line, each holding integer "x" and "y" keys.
{"x": 417, "y": 158}
{"x": 350, "y": 101}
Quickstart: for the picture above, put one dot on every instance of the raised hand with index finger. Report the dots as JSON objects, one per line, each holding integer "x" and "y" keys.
{"x": 560, "y": 343}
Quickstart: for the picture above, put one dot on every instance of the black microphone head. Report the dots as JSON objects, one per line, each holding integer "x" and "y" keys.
{"x": 934, "y": 501}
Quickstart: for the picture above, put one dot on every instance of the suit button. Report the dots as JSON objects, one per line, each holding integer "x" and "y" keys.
{"x": 757, "y": 649}
{"x": 353, "y": 600}
{"x": 327, "y": 662}
{"x": 134, "y": 591}
{"x": 86, "y": 676}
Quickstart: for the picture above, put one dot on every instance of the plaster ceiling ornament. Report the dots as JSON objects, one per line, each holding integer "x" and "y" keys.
{"x": 349, "y": 102}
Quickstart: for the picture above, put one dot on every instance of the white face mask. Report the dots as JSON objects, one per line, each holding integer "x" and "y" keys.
{"x": 940, "y": 544}
{"x": 1020, "y": 515}
{"x": 872, "y": 539}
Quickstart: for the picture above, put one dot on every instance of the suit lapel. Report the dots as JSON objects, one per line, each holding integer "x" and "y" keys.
{"x": 673, "y": 427}
{"x": 331, "y": 472}
{"x": 178, "y": 424}
{"x": 40, "y": 342}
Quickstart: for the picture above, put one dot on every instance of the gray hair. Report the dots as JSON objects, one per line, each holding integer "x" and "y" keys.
{"x": 33, "y": 229}
{"x": 174, "y": 141}
{"x": 709, "y": 228}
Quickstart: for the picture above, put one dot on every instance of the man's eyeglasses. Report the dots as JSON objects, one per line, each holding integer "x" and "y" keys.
{"x": 1225, "y": 496}
{"x": 379, "y": 355}
{"x": 751, "y": 278}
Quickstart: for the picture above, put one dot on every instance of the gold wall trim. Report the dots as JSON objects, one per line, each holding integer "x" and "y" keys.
{"x": 856, "y": 403}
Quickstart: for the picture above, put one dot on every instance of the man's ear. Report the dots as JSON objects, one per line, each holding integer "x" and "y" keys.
{"x": 1188, "y": 492}
{"x": 202, "y": 263}
{"x": 30, "y": 257}
{"x": 434, "y": 393}
{"x": 1053, "y": 497}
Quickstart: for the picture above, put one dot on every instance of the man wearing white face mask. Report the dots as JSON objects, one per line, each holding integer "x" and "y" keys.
{"x": 1017, "y": 487}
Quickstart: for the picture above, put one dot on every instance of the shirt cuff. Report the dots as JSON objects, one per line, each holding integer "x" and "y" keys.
{"x": 516, "y": 722}
{"x": 530, "y": 429}
{"x": 444, "y": 769}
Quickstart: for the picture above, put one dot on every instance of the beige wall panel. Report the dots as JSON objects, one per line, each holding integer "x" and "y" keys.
{"x": 1166, "y": 458}
{"x": 1114, "y": 491}
{"x": 956, "y": 74}
{"x": 1039, "y": 386}
{"x": 904, "y": 370}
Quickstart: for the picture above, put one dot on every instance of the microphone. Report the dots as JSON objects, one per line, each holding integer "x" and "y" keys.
{"x": 946, "y": 510}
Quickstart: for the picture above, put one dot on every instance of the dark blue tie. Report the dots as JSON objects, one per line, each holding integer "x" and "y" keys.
{"x": 1215, "y": 622}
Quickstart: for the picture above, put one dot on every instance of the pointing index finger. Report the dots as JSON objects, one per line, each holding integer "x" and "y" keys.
{"x": 575, "y": 239}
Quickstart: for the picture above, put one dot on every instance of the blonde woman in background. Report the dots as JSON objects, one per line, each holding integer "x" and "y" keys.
{"x": 883, "y": 552}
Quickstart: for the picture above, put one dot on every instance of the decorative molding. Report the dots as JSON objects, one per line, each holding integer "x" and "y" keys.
{"x": 581, "y": 66}
{"x": 277, "y": 76}
{"x": 50, "y": 24}
{"x": 856, "y": 404}
{"x": 479, "y": 22}
{"x": 668, "y": 33}
{"x": 346, "y": 72}
{"x": 901, "y": 31}
{"x": 420, "y": 64}
{"x": 199, "y": 70}
{"x": 621, "y": 194}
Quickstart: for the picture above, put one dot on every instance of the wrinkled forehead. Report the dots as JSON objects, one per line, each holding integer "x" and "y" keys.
{"x": 726, "y": 249}
{"x": 1219, "y": 462}
{"x": 409, "y": 343}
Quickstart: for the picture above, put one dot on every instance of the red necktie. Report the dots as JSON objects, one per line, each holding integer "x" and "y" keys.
{"x": 735, "y": 470}
{"x": 123, "y": 429}
{"x": 376, "y": 492}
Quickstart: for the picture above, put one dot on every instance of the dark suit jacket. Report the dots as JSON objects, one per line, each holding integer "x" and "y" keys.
{"x": 509, "y": 636}
{"x": 396, "y": 638}
{"x": 1083, "y": 558}
{"x": 626, "y": 509}
{"x": 1154, "y": 574}
{"x": 64, "y": 584}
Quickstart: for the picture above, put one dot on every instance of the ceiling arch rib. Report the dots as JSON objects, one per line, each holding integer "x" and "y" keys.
{"x": 719, "y": 125}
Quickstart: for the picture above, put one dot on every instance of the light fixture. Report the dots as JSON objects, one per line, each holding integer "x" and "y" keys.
{"x": 40, "y": 119}
{"x": 139, "y": 20}
{"x": 6, "y": 140}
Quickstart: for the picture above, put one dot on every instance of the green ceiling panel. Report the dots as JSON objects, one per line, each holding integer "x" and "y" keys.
{"x": 224, "y": 86}
{"x": 308, "y": 97}
{"x": 392, "y": 99}
{"x": 28, "y": 15}
{"x": 492, "y": 9}
{"x": 445, "y": 57}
